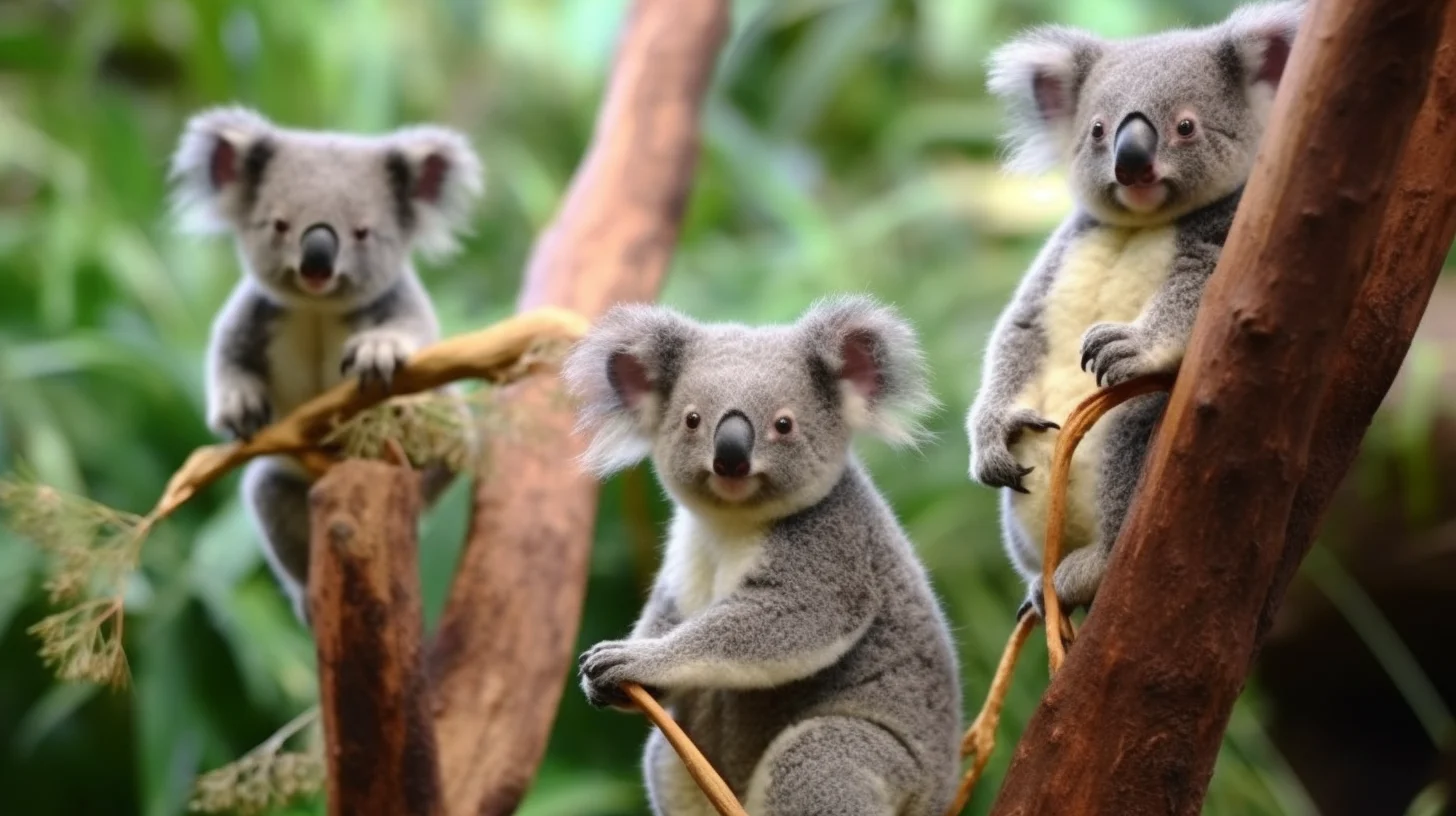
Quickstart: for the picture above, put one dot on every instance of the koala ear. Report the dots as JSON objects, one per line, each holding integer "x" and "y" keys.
{"x": 1039, "y": 75}
{"x": 435, "y": 178}
{"x": 1260, "y": 38}
{"x": 622, "y": 374}
{"x": 217, "y": 167}
{"x": 872, "y": 356}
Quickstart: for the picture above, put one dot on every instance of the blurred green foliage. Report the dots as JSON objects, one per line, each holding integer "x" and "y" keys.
{"x": 849, "y": 146}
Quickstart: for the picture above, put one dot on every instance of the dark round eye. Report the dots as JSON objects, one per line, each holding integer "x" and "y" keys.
{"x": 279, "y": 225}
{"x": 693, "y": 420}
{"x": 1185, "y": 128}
{"x": 1098, "y": 131}
{"x": 783, "y": 425}
{"x": 361, "y": 233}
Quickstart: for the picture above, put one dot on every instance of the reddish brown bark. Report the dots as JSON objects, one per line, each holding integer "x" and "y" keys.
{"x": 504, "y": 649}
{"x": 364, "y": 603}
{"x": 1133, "y": 721}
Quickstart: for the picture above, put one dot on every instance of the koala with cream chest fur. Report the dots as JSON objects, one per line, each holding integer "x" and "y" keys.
{"x": 1159, "y": 135}
{"x": 325, "y": 224}
{"x": 791, "y": 629}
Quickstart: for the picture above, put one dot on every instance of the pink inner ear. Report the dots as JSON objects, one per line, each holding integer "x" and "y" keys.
{"x": 860, "y": 368}
{"x": 628, "y": 378}
{"x": 1276, "y": 55}
{"x": 223, "y": 169}
{"x": 432, "y": 178}
{"x": 1051, "y": 97}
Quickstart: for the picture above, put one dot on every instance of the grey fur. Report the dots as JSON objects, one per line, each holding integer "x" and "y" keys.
{"x": 276, "y": 344}
{"x": 1059, "y": 84}
{"x": 793, "y": 632}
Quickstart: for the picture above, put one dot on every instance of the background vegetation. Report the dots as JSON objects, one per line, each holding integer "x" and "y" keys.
{"x": 849, "y": 146}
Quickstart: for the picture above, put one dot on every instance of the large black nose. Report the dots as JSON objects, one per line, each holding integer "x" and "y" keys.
{"x": 732, "y": 445}
{"x": 320, "y": 248}
{"x": 1133, "y": 151}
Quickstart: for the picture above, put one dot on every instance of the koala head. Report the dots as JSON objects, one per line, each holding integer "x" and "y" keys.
{"x": 747, "y": 423}
{"x": 1150, "y": 128}
{"x": 319, "y": 217}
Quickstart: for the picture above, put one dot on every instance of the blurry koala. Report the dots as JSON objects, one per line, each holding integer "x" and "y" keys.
{"x": 1159, "y": 135}
{"x": 324, "y": 225}
{"x": 791, "y": 629}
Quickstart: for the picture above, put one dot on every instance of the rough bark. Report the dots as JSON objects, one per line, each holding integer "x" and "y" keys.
{"x": 1133, "y": 721}
{"x": 364, "y": 603}
{"x": 504, "y": 649}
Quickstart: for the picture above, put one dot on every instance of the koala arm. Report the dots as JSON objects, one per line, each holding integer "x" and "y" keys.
{"x": 237, "y": 363}
{"x": 389, "y": 330}
{"x": 659, "y": 615}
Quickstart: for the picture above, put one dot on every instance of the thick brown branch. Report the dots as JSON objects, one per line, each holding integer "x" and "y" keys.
{"x": 364, "y": 603}
{"x": 1133, "y": 722}
{"x": 503, "y": 651}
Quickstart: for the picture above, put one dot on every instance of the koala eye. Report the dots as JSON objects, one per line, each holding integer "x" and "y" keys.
{"x": 361, "y": 233}
{"x": 279, "y": 225}
{"x": 1185, "y": 128}
{"x": 693, "y": 420}
{"x": 1098, "y": 131}
{"x": 783, "y": 425}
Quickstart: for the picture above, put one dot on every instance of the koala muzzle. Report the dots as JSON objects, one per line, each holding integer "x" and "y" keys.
{"x": 1133, "y": 151}
{"x": 320, "y": 248}
{"x": 732, "y": 445}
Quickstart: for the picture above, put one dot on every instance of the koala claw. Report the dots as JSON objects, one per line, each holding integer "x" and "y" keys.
{"x": 241, "y": 412}
{"x": 606, "y": 666}
{"x": 374, "y": 359}
{"x": 1115, "y": 353}
{"x": 992, "y": 462}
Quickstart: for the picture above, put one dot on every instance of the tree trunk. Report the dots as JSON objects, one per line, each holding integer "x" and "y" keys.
{"x": 504, "y": 649}
{"x": 1133, "y": 722}
{"x": 364, "y": 602}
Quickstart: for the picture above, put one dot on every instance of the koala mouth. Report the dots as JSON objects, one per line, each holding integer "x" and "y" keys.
{"x": 1142, "y": 198}
{"x": 734, "y": 489}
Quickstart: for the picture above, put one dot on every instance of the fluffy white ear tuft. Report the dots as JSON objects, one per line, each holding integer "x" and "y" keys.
{"x": 622, "y": 374}
{"x": 436, "y": 178}
{"x": 1039, "y": 75}
{"x": 1262, "y": 35}
{"x": 218, "y": 164}
{"x": 876, "y": 358}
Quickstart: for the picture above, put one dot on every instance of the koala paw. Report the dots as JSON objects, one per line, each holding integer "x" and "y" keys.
{"x": 1077, "y": 578}
{"x": 609, "y": 664}
{"x": 239, "y": 409}
{"x": 1118, "y": 352}
{"x": 991, "y": 461}
{"x": 375, "y": 357}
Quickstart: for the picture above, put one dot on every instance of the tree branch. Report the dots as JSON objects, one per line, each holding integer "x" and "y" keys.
{"x": 503, "y": 651}
{"x": 1133, "y": 722}
{"x": 364, "y": 603}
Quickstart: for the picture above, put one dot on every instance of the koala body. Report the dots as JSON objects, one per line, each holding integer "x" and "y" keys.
{"x": 325, "y": 224}
{"x": 1159, "y": 135}
{"x": 791, "y": 629}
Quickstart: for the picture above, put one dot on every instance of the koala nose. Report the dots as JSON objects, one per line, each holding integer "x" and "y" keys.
{"x": 1133, "y": 151}
{"x": 320, "y": 248}
{"x": 732, "y": 445}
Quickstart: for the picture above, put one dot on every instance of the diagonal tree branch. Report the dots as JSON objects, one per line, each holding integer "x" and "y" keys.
{"x": 502, "y": 654}
{"x": 1133, "y": 722}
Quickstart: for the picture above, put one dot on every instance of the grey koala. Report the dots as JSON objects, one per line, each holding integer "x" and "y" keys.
{"x": 324, "y": 225}
{"x": 791, "y": 629}
{"x": 1159, "y": 134}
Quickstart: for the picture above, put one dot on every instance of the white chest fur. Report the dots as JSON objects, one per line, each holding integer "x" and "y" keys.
{"x": 303, "y": 357}
{"x": 705, "y": 562}
{"x": 1107, "y": 275}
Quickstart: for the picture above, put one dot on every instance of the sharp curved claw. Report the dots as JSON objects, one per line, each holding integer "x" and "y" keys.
{"x": 1026, "y": 606}
{"x": 1087, "y": 356}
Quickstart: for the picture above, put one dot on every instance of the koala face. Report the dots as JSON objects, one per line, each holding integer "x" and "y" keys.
{"x": 324, "y": 218}
{"x": 741, "y": 422}
{"x": 1149, "y": 128}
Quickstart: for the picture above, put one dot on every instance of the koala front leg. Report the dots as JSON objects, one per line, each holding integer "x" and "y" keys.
{"x": 387, "y": 332}
{"x": 659, "y": 616}
{"x": 238, "y": 404}
{"x": 1153, "y": 343}
{"x": 761, "y": 636}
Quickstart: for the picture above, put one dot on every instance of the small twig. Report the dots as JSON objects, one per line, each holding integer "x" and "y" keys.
{"x": 708, "y": 780}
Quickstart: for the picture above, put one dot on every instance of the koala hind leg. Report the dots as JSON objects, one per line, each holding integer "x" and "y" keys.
{"x": 277, "y": 498}
{"x": 838, "y": 765}
{"x": 670, "y": 788}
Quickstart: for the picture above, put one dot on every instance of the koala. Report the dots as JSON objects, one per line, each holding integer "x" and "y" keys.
{"x": 1158, "y": 135}
{"x": 791, "y": 629}
{"x": 324, "y": 224}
